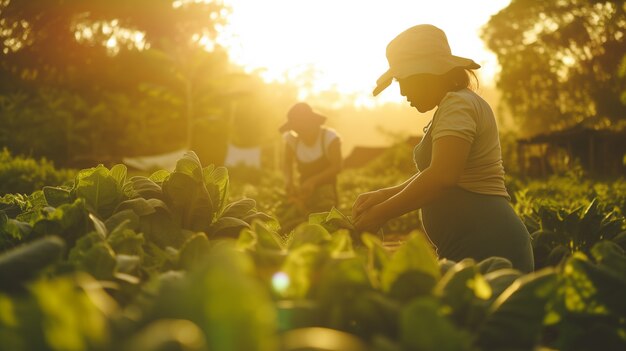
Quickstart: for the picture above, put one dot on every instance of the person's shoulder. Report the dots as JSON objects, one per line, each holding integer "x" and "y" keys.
{"x": 463, "y": 96}
{"x": 289, "y": 137}
{"x": 330, "y": 133}
{"x": 464, "y": 99}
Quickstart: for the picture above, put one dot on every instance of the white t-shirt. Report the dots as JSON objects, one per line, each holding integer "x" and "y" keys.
{"x": 466, "y": 115}
{"x": 308, "y": 153}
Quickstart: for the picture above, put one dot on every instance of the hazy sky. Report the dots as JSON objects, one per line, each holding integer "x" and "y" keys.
{"x": 345, "y": 40}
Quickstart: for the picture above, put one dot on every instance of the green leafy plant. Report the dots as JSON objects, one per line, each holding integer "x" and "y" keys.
{"x": 23, "y": 175}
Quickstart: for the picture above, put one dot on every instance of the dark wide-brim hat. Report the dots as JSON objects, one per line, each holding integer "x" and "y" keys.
{"x": 301, "y": 113}
{"x": 420, "y": 49}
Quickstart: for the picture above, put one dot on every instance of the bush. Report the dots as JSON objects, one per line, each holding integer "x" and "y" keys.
{"x": 24, "y": 175}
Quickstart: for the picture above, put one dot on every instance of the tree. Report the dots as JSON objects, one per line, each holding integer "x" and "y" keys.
{"x": 560, "y": 61}
{"x": 106, "y": 77}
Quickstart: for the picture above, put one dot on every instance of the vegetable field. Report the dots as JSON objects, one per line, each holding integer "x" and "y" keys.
{"x": 193, "y": 260}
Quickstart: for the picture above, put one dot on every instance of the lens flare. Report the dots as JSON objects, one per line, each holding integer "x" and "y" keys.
{"x": 280, "y": 282}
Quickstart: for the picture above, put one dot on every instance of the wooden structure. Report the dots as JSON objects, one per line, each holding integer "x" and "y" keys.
{"x": 363, "y": 155}
{"x": 601, "y": 152}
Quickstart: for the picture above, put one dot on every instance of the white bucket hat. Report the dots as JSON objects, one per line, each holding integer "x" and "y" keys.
{"x": 420, "y": 49}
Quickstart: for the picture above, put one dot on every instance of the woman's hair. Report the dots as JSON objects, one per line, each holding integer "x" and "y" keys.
{"x": 460, "y": 78}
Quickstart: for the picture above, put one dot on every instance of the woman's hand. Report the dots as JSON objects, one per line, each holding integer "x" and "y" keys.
{"x": 306, "y": 189}
{"x": 369, "y": 220}
{"x": 290, "y": 190}
{"x": 366, "y": 200}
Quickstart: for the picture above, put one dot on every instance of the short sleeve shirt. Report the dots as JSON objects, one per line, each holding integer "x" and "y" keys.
{"x": 465, "y": 115}
{"x": 309, "y": 153}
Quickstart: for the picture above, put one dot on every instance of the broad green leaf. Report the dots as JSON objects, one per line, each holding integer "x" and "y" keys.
{"x": 416, "y": 254}
{"x": 309, "y": 234}
{"x": 157, "y": 260}
{"x": 99, "y": 189}
{"x": 163, "y": 333}
{"x": 93, "y": 255}
{"x": 190, "y": 165}
{"x": 233, "y": 309}
{"x": 239, "y": 208}
{"x": 463, "y": 288}
{"x": 548, "y": 219}
{"x": 620, "y": 239}
{"x": 515, "y": 319}
{"x": 161, "y": 229}
{"x": 69, "y": 221}
{"x": 56, "y": 196}
{"x": 266, "y": 237}
{"x": 247, "y": 240}
{"x": 127, "y": 218}
{"x": 71, "y": 317}
{"x": 25, "y": 261}
{"x": 8, "y": 317}
{"x": 373, "y": 313}
{"x": 379, "y": 256}
{"x": 589, "y": 302}
{"x": 382, "y": 343}
{"x": 126, "y": 241}
{"x": 338, "y": 219}
{"x": 12, "y": 230}
{"x": 217, "y": 184}
{"x": 341, "y": 244}
{"x": 118, "y": 172}
{"x": 332, "y": 220}
{"x": 445, "y": 265}
{"x": 299, "y": 266}
{"x": 159, "y": 176}
{"x": 37, "y": 200}
{"x": 493, "y": 264}
{"x": 141, "y": 206}
{"x": 101, "y": 229}
{"x": 189, "y": 202}
{"x": 571, "y": 224}
{"x": 263, "y": 217}
{"x": 227, "y": 227}
{"x": 611, "y": 257}
{"x": 499, "y": 280}
{"x": 340, "y": 287}
{"x": 317, "y": 218}
{"x": 549, "y": 238}
{"x": 139, "y": 186}
{"x": 590, "y": 226}
{"x": 411, "y": 284}
{"x": 423, "y": 326}
{"x": 558, "y": 254}
{"x": 127, "y": 264}
{"x": 194, "y": 251}
{"x": 593, "y": 289}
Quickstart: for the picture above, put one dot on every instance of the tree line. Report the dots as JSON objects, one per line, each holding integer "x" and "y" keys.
{"x": 96, "y": 80}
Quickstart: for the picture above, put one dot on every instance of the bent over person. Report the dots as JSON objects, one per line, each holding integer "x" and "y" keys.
{"x": 314, "y": 150}
{"x": 459, "y": 183}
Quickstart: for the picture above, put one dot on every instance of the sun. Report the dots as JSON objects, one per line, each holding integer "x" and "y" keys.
{"x": 340, "y": 45}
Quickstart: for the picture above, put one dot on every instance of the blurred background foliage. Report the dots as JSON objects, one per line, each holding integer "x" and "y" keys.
{"x": 107, "y": 79}
{"x": 563, "y": 62}
{"x": 83, "y": 83}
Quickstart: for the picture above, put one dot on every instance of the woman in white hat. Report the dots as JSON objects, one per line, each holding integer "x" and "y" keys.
{"x": 459, "y": 185}
{"x": 315, "y": 151}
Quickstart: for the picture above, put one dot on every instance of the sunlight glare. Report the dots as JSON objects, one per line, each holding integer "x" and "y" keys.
{"x": 111, "y": 43}
{"x": 340, "y": 45}
{"x": 280, "y": 282}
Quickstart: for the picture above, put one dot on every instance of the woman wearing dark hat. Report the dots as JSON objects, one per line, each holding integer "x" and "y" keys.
{"x": 315, "y": 150}
{"x": 459, "y": 183}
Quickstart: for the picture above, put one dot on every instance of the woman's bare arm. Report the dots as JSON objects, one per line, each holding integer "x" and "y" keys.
{"x": 449, "y": 156}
